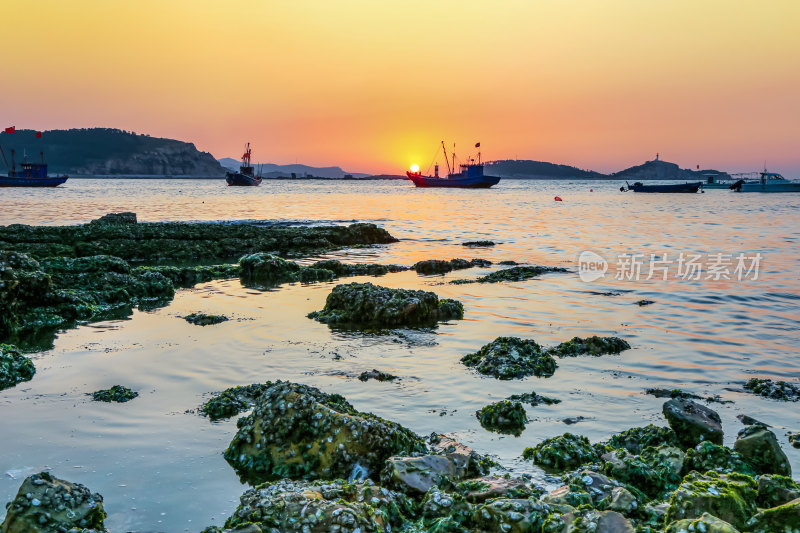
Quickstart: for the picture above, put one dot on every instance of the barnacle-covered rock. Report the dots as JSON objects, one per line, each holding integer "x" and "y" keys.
{"x": 511, "y": 358}
{"x": 263, "y": 269}
{"x": 518, "y": 273}
{"x": 503, "y": 417}
{"x": 14, "y": 367}
{"x": 299, "y": 432}
{"x": 444, "y": 512}
{"x": 510, "y": 515}
{"x": 593, "y": 345}
{"x": 635, "y": 440}
{"x": 489, "y": 487}
{"x": 774, "y": 490}
{"x": 776, "y": 390}
{"x": 320, "y": 507}
{"x": 364, "y": 305}
{"x": 655, "y": 472}
{"x": 116, "y": 218}
{"x": 705, "y": 524}
{"x": 592, "y": 521}
{"x": 466, "y": 458}
{"x": 692, "y": 422}
{"x": 117, "y": 393}
{"x": 759, "y": 446}
{"x": 356, "y": 269}
{"x": 203, "y": 319}
{"x": 189, "y": 276}
{"x": 781, "y": 519}
{"x": 730, "y": 497}
{"x": 709, "y": 456}
{"x": 233, "y": 401}
{"x": 438, "y": 266}
{"x": 46, "y": 504}
{"x": 562, "y": 453}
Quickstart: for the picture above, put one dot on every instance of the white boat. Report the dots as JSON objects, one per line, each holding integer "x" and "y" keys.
{"x": 769, "y": 182}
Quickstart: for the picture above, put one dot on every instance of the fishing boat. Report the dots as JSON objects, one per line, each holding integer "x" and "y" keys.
{"x": 768, "y": 182}
{"x": 246, "y": 176}
{"x": 676, "y": 187}
{"x": 29, "y": 174}
{"x": 470, "y": 175}
{"x": 713, "y": 181}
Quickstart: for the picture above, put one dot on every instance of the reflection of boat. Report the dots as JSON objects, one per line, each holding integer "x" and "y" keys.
{"x": 29, "y": 174}
{"x": 676, "y": 187}
{"x": 769, "y": 182}
{"x": 245, "y": 176}
{"x": 470, "y": 177}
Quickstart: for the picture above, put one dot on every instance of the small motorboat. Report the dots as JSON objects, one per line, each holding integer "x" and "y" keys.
{"x": 246, "y": 176}
{"x": 676, "y": 187}
{"x": 768, "y": 182}
{"x": 29, "y": 174}
{"x": 470, "y": 176}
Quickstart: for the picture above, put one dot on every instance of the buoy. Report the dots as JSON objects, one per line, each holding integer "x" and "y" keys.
{"x": 591, "y": 190}
{"x": 558, "y": 199}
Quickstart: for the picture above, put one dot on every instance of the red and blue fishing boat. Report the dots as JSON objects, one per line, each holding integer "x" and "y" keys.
{"x": 28, "y": 174}
{"x": 246, "y": 176}
{"x": 470, "y": 175}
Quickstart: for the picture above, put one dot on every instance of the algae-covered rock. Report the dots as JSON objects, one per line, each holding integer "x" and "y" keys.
{"x": 364, "y": 305}
{"x": 594, "y": 345}
{"x": 266, "y": 270}
{"x": 511, "y": 358}
{"x": 438, "y": 266}
{"x": 705, "y": 524}
{"x": 320, "y": 507}
{"x": 510, "y": 515}
{"x": 518, "y": 273}
{"x": 377, "y": 375}
{"x": 189, "y": 276}
{"x": 759, "y": 446}
{"x": 794, "y": 438}
{"x": 465, "y": 457}
{"x": 203, "y": 319}
{"x": 116, "y": 218}
{"x": 14, "y": 367}
{"x": 709, "y": 456}
{"x": 781, "y": 519}
{"x": 656, "y": 472}
{"x": 46, "y": 504}
{"x": 503, "y": 417}
{"x": 299, "y": 432}
{"x": 533, "y": 399}
{"x": 443, "y": 512}
{"x": 774, "y": 490}
{"x": 730, "y": 497}
{"x": 776, "y": 390}
{"x": 562, "y": 453}
{"x": 635, "y": 440}
{"x": 356, "y": 269}
{"x": 591, "y": 521}
{"x": 233, "y": 401}
{"x": 117, "y": 393}
{"x": 692, "y": 422}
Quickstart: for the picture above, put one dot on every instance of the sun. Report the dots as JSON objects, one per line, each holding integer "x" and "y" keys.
{"x": 414, "y": 168}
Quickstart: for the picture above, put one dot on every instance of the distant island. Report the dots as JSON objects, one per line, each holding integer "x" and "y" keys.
{"x": 114, "y": 153}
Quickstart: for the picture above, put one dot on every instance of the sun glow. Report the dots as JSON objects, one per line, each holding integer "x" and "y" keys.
{"x": 414, "y": 168}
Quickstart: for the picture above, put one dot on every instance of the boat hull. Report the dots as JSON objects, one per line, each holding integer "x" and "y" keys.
{"x": 677, "y": 187}
{"x": 242, "y": 180}
{"x": 471, "y": 182}
{"x": 768, "y": 187}
{"x": 6, "y": 181}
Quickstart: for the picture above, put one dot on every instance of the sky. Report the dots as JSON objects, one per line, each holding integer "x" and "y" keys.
{"x": 376, "y": 85}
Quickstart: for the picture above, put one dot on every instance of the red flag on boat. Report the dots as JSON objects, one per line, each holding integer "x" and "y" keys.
{"x": 477, "y": 145}
{"x": 11, "y": 129}
{"x": 38, "y": 134}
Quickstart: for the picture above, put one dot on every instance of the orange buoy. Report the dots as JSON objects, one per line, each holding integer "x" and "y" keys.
{"x": 558, "y": 199}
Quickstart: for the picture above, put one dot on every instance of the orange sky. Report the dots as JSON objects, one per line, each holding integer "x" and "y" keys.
{"x": 374, "y": 85}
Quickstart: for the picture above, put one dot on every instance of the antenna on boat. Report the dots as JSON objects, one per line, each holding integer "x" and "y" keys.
{"x": 446, "y": 159}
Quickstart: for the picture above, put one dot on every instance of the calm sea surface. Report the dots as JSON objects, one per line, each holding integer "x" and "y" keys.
{"x": 159, "y": 465}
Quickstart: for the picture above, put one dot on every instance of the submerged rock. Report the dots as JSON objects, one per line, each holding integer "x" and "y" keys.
{"x": 642, "y": 303}
{"x": 503, "y": 417}
{"x": 794, "y": 438}
{"x": 533, "y": 399}
{"x": 376, "y": 375}
{"x": 705, "y": 524}
{"x": 202, "y": 319}
{"x": 233, "y": 401}
{"x": 437, "y": 266}
{"x": 562, "y": 453}
{"x": 14, "y": 367}
{"x": 759, "y": 446}
{"x": 478, "y": 243}
{"x": 46, "y": 504}
{"x": 299, "y": 432}
{"x": 356, "y": 269}
{"x": 782, "y": 519}
{"x": 511, "y": 358}
{"x": 518, "y": 273}
{"x": 117, "y": 393}
{"x": 594, "y": 345}
{"x": 116, "y": 218}
{"x": 692, "y": 422}
{"x": 729, "y": 497}
{"x": 364, "y": 305}
{"x": 776, "y": 390}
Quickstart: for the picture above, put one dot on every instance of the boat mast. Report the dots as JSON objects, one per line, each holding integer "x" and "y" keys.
{"x": 446, "y": 159}
{"x": 4, "y": 156}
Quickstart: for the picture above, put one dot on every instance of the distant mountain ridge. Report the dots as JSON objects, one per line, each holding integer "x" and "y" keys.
{"x": 650, "y": 170}
{"x": 111, "y": 152}
{"x": 271, "y": 170}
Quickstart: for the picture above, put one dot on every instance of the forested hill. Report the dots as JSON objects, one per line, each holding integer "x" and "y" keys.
{"x": 110, "y": 152}
{"x": 513, "y": 168}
